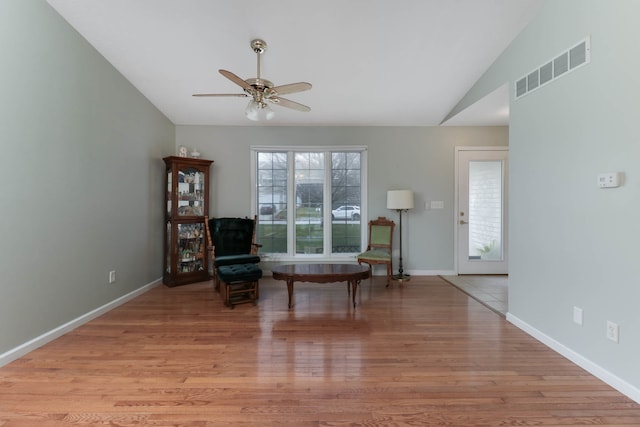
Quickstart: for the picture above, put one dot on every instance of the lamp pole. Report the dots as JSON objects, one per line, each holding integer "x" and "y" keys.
{"x": 400, "y": 200}
{"x": 401, "y": 277}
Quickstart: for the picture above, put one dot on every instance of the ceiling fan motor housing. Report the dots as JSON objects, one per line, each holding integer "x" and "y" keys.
{"x": 259, "y": 84}
{"x": 258, "y": 46}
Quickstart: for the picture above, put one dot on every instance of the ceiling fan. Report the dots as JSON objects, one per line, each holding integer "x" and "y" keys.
{"x": 262, "y": 90}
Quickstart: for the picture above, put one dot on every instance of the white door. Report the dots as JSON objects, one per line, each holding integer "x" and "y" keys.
{"x": 481, "y": 214}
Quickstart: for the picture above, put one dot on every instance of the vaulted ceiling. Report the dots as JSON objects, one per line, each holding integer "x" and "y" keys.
{"x": 371, "y": 62}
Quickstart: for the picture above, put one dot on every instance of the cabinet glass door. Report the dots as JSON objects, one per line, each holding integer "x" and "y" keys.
{"x": 191, "y": 247}
{"x": 169, "y": 190}
{"x": 191, "y": 183}
{"x": 168, "y": 248}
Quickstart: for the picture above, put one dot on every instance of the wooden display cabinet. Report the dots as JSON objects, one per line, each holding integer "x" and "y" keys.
{"x": 187, "y": 201}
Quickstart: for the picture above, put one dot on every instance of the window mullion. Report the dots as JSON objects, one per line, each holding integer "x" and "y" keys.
{"x": 326, "y": 205}
{"x": 291, "y": 204}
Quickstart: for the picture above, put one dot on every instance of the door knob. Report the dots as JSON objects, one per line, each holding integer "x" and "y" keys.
{"x": 463, "y": 222}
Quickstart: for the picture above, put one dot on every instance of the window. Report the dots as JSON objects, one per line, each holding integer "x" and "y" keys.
{"x": 296, "y": 192}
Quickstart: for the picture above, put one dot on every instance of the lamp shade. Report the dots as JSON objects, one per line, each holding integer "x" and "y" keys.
{"x": 399, "y": 199}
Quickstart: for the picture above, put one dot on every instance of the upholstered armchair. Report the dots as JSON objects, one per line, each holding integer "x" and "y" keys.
{"x": 234, "y": 254}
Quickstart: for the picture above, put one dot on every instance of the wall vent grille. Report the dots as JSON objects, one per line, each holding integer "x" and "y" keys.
{"x": 562, "y": 64}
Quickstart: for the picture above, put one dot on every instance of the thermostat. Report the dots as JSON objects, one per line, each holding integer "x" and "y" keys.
{"x": 609, "y": 179}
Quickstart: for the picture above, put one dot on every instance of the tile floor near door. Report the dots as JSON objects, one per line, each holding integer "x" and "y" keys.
{"x": 490, "y": 290}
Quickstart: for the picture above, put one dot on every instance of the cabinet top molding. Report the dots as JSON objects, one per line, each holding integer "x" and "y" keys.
{"x": 177, "y": 159}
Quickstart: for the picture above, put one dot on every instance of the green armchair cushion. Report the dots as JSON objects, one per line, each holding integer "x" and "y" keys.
{"x": 380, "y": 234}
{"x": 231, "y": 236}
{"x": 236, "y": 259}
{"x": 375, "y": 254}
{"x": 239, "y": 273}
{"x": 232, "y": 239}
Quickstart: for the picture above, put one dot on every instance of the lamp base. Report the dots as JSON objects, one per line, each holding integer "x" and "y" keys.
{"x": 401, "y": 277}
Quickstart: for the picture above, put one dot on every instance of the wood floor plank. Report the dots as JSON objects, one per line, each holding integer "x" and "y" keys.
{"x": 420, "y": 354}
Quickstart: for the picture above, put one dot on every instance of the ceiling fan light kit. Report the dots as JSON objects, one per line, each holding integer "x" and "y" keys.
{"x": 259, "y": 111}
{"x": 262, "y": 90}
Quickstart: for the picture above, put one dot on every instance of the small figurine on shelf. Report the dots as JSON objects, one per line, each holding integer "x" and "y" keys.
{"x": 182, "y": 151}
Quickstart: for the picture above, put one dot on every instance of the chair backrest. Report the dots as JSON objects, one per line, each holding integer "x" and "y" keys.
{"x": 380, "y": 233}
{"x": 232, "y": 236}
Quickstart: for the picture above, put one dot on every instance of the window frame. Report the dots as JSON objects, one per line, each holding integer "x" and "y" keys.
{"x": 327, "y": 255}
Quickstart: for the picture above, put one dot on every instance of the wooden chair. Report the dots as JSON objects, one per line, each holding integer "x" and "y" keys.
{"x": 234, "y": 255}
{"x": 379, "y": 249}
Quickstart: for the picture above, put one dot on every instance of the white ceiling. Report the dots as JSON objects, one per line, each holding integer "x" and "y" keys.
{"x": 371, "y": 62}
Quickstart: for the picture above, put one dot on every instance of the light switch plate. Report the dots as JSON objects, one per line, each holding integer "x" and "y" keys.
{"x": 577, "y": 316}
{"x": 613, "y": 331}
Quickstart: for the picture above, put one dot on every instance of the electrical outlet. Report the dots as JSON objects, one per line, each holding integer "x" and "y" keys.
{"x": 577, "y": 315}
{"x": 613, "y": 331}
{"x": 112, "y": 276}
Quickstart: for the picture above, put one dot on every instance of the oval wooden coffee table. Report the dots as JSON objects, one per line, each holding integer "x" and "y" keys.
{"x": 321, "y": 273}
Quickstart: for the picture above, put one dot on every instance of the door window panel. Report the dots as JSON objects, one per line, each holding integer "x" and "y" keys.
{"x": 485, "y": 210}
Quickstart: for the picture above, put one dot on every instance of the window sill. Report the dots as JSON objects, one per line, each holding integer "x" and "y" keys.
{"x": 309, "y": 259}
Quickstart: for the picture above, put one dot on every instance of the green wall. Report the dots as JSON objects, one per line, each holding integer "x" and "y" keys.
{"x": 572, "y": 244}
{"x": 416, "y": 158}
{"x": 82, "y": 171}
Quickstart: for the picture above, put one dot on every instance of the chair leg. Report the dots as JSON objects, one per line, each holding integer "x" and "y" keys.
{"x": 389, "y": 272}
{"x": 256, "y": 292}
{"x": 370, "y": 272}
{"x": 224, "y": 293}
{"x": 216, "y": 281}
{"x": 247, "y": 290}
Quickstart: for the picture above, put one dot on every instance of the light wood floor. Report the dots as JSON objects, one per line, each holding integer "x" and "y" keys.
{"x": 422, "y": 354}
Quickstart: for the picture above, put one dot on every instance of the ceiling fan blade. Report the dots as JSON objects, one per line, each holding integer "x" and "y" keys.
{"x": 243, "y": 95}
{"x": 291, "y": 88}
{"x": 237, "y": 80}
{"x": 289, "y": 104}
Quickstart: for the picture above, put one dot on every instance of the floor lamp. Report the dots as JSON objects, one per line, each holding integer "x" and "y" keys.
{"x": 400, "y": 200}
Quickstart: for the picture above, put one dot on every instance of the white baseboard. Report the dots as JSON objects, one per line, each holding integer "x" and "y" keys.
{"x": 29, "y": 346}
{"x": 594, "y": 369}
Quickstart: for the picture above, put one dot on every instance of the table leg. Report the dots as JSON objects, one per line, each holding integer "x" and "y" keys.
{"x": 290, "y": 290}
{"x": 354, "y": 285}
